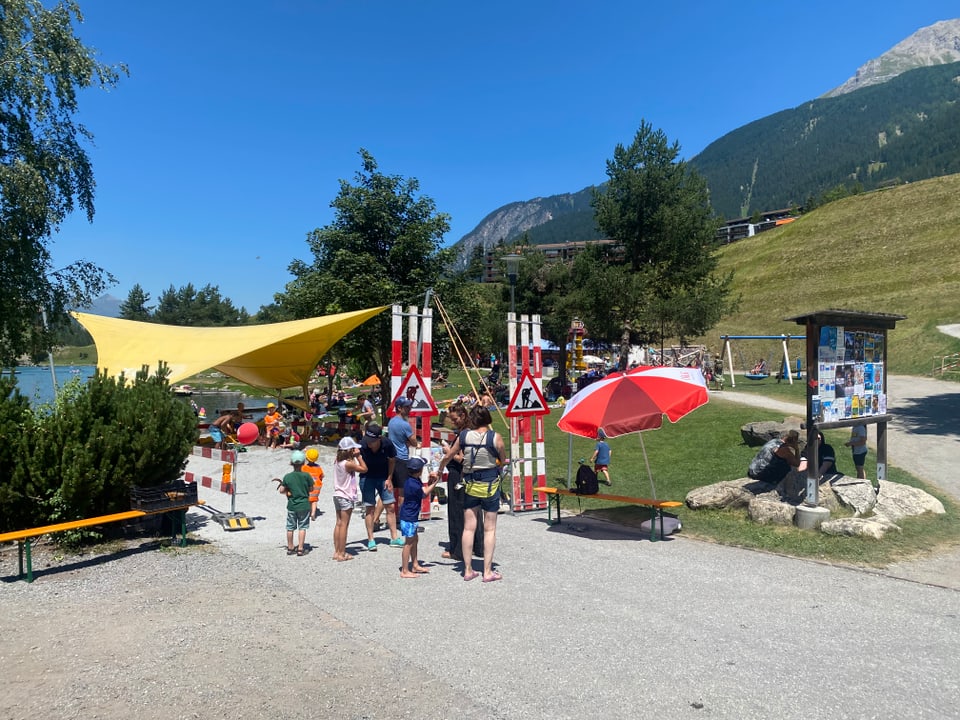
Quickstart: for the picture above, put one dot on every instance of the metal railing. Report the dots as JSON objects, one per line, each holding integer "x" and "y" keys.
{"x": 944, "y": 364}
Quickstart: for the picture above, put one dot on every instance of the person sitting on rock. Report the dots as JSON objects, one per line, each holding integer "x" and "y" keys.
{"x": 777, "y": 458}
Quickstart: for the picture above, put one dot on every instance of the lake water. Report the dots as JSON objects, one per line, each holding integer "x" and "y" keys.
{"x": 36, "y": 384}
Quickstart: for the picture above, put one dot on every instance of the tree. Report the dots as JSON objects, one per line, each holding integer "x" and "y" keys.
{"x": 382, "y": 247}
{"x": 203, "y": 308}
{"x": 135, "y": 306}
{"x": 658, "y": 208}
{"x": 45, "y": 172}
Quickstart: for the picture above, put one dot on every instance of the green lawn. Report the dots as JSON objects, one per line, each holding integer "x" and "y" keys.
{"x": 705, "y": 447}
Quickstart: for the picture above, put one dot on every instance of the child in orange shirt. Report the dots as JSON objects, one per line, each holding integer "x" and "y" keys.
{"x": 316, "y": 472}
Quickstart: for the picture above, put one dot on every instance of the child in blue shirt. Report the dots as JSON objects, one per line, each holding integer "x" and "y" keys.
{"x": 601, "y": 457}
{"x": 413, "y": 493}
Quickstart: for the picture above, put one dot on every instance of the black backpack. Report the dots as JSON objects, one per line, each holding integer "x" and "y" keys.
{"x": 587, "y": 483}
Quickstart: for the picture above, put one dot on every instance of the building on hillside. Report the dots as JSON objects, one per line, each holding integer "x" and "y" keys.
{"x": 741, "y": 228}
{"x": 553, "y": 252}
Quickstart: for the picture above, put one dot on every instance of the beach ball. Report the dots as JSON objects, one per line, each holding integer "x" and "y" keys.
{"x": 248, "y": 433}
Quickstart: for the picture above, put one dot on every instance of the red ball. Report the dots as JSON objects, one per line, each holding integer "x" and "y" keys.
{"x": 248, "y": 433}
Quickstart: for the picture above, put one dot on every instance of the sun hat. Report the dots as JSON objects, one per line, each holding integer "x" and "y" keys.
{"x": 312, "y": 454}
{"x": 374, "y": 431}
{"x": 297, "y": 457}
{"x": 415, "y": 465}
{"x": 348, "y": 443}
{"x": 270, "y": 405}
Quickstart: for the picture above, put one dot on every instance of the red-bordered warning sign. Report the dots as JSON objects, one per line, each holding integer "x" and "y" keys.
{"x": 527, "y": 398}
{"x": 412, "y": 388}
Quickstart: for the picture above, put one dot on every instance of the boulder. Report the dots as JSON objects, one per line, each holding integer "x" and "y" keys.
{"x": 726, "y": 494}
{"x": 857, "y": 527}
{"x": 854, "y": 493}
{"x": 758, "y": 433}
{"x": 896, "y": 501}
{"x": 767, "y": 510}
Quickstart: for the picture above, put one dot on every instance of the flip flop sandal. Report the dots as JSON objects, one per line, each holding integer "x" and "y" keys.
{"x": 290, "y": 551}
{"x": 494, "y": 576}
{"x": 471, "y": 576}
{"x": 300, "y": 553}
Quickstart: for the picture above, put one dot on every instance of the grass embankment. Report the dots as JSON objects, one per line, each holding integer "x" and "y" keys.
{"x": 705, "y": 447}
{"x": 890, "y": 251}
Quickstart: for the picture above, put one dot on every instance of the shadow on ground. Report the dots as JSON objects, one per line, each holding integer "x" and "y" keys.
{"x": 935, "y": 415}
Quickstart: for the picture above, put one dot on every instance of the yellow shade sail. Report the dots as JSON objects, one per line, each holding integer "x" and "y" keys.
{"x": 274, "y": 356}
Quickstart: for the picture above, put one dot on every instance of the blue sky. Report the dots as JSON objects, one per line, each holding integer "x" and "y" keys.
{"x": 226, "y": 144}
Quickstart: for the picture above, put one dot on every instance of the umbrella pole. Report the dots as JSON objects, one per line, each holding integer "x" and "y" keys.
{"x": 647, "y": 461}
{"x": 569, "y": 458}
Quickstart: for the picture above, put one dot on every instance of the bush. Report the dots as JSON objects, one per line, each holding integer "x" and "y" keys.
{"x": 80, "y": 457}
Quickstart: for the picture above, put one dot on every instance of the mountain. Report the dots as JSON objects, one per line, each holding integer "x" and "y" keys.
{"x": 937, "y": 44}
{"x": 511, "y": 221}
{"x": 107, "y": 305}
{"x": 895, "y": 120}
{"x": 903, "y": 130}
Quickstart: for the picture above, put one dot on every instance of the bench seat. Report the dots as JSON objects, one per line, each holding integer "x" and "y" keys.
{"x": 23, "y": 537}
{"x": 656, "y": 506}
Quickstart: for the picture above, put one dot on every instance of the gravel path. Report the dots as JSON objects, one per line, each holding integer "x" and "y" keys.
{"x": 590, "y": 619}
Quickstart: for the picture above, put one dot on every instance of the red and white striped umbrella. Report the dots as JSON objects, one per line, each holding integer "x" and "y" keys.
{"x": 633, "y": 401}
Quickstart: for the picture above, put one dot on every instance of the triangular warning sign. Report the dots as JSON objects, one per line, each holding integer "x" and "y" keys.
{"x": 527, "y": 398}
{"x": 416, "y": 392}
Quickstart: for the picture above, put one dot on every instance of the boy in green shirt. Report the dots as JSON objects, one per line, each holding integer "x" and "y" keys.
{"x": 296, "y": 486}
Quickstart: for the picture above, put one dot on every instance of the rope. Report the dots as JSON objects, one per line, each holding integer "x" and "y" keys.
{"x": 458, "y": 344}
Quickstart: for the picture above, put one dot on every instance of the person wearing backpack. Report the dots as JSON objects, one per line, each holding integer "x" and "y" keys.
{"x": 776, "y": 458}
{"x": 483, "y": 451}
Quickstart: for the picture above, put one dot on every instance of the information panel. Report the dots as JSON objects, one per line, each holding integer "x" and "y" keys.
{"x": 849, "y": 374}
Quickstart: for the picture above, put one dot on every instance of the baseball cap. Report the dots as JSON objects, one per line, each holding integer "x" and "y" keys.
{"x": 297, "y": 458}
{"x": 415, "y": 465}
{"x": 403, "y": 402}
{"x": 312, "y": 454}
{"x": 373, "y": 431}
{"x": 348, "y": 443}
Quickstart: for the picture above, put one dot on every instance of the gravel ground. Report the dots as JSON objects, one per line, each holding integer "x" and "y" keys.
{"x": 590, "y": 619}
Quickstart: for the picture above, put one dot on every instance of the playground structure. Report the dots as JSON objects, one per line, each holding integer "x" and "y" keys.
{"x": 784, "y": 370}
{"x": 575, "y": 333}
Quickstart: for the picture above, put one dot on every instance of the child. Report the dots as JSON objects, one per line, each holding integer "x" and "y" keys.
{"x": 271, "y": 426}
{"x": 316, "y": 472}
{"x": 345, "y": 490}
{"x": 601, "y": 457}
{"x": 296, "y": 486}
{"x": 413, "y": 493}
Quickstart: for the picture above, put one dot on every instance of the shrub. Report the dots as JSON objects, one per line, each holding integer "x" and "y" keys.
{"x": 80, "y": 456}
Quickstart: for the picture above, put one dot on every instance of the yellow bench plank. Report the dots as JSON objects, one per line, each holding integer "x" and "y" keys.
{"x": 23, "y": 537}
{"x": 649, "y": 502}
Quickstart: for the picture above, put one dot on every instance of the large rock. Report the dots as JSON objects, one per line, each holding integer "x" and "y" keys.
{"x": 858, "y": 527}
{"x": 896, "y": 501}
{"x": 725, "y": 494}
{"x": 854, "y": 493}
{"x": 768, "y": 510}
{"x": 758, "y": 433}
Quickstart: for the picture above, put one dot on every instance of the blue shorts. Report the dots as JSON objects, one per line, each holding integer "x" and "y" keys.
{"x": 371, "y": 487}
{"x": 298, "y": 519}
{"x": 408, "y": 529}
{"x": 490, "y": 504}
{"x": 216, "y": 434}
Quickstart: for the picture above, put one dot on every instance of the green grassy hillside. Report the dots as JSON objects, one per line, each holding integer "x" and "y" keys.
{"x": 892, "y": 251}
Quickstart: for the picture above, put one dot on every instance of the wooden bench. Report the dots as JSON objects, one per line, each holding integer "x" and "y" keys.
{"x": 656, "y": 506}
{"x": 24, "y": 537}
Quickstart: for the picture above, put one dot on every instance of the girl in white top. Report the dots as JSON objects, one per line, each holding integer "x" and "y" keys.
{"x": 345, "y": 490}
